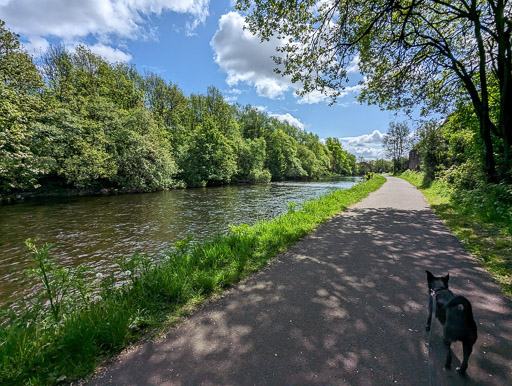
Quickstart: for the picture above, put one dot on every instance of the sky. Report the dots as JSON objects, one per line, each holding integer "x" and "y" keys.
{"x": 196, "y": 44}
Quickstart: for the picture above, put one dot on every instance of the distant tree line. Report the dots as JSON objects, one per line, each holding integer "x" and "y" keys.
{"x": 365, "y": 166}
{"x": 78, "y": 121}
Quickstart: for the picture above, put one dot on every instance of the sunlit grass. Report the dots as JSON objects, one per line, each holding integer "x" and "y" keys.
{"x": 490, "y": 241}
{"x": 39, "y": 350}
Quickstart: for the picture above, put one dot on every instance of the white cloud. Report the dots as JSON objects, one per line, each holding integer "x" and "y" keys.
{"x": 231, "y": 98}
{"x": 244, "y": 59}
{"x": 36, "y": 45}
{"x": 353, "y": 66}
{"x": 367, "y": 152}
{"x": 318, "y": 97}
{"x": 287, "y": 117}
{"x": 353, "y": 89}
{"x": 290, "y": 119}
{"x": 111, "y": 54}
{"x": 366, "y": 139}
{"x": 313, "y": 97}
{"x": 235, "y": 91}
{"x": 368, "y": 146}
{"x": 71, "y": 21}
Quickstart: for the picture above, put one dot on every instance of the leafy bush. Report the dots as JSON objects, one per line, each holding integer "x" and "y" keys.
{"x": 259, "y": 176}
{"x": 208, "y": 157}
{"x": 369, "y": 175}
{"x": 488, "y": 202}
{"x": 471, "y": 196}
{"x": 144, "y": 165}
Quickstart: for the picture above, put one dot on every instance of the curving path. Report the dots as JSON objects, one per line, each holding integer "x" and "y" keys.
{"x": 344, "y": 306}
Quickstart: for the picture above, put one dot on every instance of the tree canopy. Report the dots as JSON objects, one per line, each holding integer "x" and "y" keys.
{"x": 78, "y": 121}
{"x": 411, "y": 52}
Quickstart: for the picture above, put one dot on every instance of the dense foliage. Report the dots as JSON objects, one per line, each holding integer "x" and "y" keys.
{"x": 451, "y": 152}
{"x": 78, "y": 121}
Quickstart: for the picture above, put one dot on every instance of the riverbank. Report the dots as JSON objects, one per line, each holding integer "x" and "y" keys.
{"x": 97, "y": 231}
{"x": 52, "y": 191}
{"x": 42, "y": 348}
{"x": 489, "y": 241}
{"x": 15, "y": 198}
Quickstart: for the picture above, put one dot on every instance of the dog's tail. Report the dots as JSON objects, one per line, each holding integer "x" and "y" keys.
{"x": 468, "y": 310}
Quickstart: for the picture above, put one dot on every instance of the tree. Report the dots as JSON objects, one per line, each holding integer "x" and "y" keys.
{"x": 365, "y": 166}
{"x": 253, "y": 122}
{"x": 321, "y": 154}
{"x": 251, "y": 161}
{"x": 168, "y": 105}
{"x": 383, "y": 165}
{"x": 433, "y": 149}
{"x": 20, "y": 106}
{"x": 282, "y": 158}
{"x": 80, "y": 121}
{"x": 310, "y": 163}
{"x": 208, "y": 156}
{"x": 410, "y": 51}
{"x": 397, "y": 143}
{"x": 341, "y": 161}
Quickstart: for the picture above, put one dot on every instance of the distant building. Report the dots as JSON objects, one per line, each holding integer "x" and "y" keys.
{"x": 414, "y": 160}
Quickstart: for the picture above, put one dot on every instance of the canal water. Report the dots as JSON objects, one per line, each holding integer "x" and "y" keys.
{"x": 98, "y": 230}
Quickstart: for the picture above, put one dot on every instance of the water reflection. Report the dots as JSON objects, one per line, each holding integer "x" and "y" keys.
{"x": 98, "y": 230}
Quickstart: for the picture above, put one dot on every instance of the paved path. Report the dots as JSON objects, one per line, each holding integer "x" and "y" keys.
{"x": 345, "y": 306}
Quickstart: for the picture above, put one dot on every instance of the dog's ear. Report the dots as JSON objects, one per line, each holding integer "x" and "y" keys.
{"x": 446, "y": 278}
{"x": 430, "y": 277}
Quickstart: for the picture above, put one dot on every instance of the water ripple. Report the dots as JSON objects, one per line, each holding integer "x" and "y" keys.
{"x": 99, "y": 230}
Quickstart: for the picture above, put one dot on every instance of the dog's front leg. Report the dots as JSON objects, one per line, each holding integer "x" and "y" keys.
{"x": 467, "y": 349}
{"x": 447, "y": 345}
{"x": 429, "y": 319}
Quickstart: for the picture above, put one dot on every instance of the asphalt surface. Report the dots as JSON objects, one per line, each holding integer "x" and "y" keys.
{"x": 344, "y": 306}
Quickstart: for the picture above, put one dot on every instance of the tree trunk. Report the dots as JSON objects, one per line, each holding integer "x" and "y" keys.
{"x": 489, "y": 164}
{"x": 485, "y": 121}
{"x": 505, "y": 130}
{"x": 506, "y": 167}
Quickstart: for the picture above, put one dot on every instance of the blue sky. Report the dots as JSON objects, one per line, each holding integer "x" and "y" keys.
{"x": 196, "y": 44}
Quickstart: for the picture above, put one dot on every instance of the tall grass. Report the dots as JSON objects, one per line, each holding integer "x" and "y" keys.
{"x": 35, "y": 349}
{"x": 480, "y": 217}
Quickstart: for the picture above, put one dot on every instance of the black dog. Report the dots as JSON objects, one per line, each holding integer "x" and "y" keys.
{"x": 456, "y": 316}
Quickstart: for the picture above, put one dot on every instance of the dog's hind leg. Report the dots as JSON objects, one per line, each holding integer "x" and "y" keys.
{"x": 447, "y": 345}
{"x": 467, "y": 348}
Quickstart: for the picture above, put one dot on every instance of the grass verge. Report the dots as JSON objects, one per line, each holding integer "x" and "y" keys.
{"x": 489, "y": 241}
{"x": 38, "y": 349}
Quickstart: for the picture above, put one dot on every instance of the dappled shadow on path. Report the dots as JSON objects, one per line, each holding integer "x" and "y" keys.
{"x": 346, "y": 305}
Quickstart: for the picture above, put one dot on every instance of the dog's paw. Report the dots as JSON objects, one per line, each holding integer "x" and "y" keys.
{"x": 461, "y": 371}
